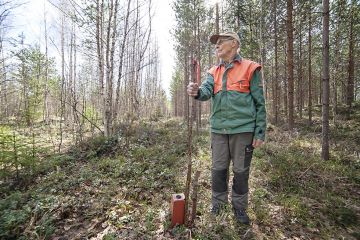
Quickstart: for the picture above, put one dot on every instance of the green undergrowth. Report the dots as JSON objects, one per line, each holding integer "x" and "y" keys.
{"x": 297, "y": 189}
{"x": 84, "y": 188}
{"x": 120, "y": 188}
{"x": 20, "y": 155}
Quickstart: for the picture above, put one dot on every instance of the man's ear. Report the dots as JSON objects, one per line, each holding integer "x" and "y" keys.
{"x": 234, "y": 43}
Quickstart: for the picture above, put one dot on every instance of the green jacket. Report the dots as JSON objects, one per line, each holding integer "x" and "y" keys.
{"x": 235, "y": 112}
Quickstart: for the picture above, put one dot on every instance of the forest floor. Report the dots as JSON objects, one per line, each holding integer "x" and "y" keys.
{"x": 120, "y": 188}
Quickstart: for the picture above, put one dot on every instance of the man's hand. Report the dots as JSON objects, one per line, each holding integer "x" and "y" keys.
{"x": 192, "y": 89}
{"x": 257, "y": 143}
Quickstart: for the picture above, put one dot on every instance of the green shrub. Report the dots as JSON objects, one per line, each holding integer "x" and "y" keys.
{"x": 13, "y": 215}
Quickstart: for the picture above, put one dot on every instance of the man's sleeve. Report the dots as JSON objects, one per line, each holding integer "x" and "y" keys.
{"x": 256, "y": 90}
{"x": 206, "y": 89}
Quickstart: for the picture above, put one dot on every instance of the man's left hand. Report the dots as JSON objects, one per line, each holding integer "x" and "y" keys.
{"x": 257, "y": 143}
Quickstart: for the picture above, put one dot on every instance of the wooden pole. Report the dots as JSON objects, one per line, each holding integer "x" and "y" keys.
{"x": 190, "y": 126}
{"x": 194, "y": 197}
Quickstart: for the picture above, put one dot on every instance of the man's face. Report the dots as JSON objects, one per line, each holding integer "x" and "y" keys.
{"x": 224, "y": 47}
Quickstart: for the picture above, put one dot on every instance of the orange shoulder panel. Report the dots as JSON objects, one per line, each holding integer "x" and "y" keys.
{"x": 240, "y": 75}
{"x": 217, "y": 72}
{"x": 252, "y": 69}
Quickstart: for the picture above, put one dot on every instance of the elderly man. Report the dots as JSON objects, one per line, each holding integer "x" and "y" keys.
{"x": 238, "y": 121}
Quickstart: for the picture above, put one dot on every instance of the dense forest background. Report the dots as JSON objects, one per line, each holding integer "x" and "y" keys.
{"x": 286, "y": 37}
{"x": 91, "y": 145}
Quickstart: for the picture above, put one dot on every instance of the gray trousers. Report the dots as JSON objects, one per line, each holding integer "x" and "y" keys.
{"x": 239, "y": 149}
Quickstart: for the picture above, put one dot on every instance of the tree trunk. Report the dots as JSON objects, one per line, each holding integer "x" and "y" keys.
{"x": 199, "y": 71}
{"x": 276, "y": 97}
{"x": 3, "y": 86}
{"x": 262, "y": 48}
{"x": 110, "y": 49}
{"x": 336, "y": 70}
{"x": 217, "y": 19}
{"x": 309, "y": 68}
{"x": 62, "y": 98}
{"x": 186, "y": 82}
{"x": 100, "y": 51}
{"x": 121, "y": 61}
{"x": 326, "y": 85}
{"x": 290, "y": 62}
{"x": 46, "y": 90}
{"x": 350, "y": 82}
{"x": 300, "y": 73}
{"x": 70, "y": 98}
{"x": 285, "y": 97}
{"x": 251, "y": 30}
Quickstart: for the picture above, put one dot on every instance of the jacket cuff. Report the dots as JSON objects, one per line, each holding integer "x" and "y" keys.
{"x": 259, "y": 134}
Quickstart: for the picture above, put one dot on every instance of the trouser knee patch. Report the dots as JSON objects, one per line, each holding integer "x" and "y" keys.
{"x": 219, "y": 180}
{"x": 240, "y": 182}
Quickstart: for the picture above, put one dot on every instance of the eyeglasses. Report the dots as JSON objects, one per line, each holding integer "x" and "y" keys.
{"x": 221, "y": 41}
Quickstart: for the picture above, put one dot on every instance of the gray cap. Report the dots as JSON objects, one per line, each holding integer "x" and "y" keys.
{"x": 215, "y": 37}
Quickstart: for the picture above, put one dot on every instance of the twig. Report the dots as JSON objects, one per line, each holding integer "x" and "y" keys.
{"x": 246, "y": 233}
{"x": 306, "y": 170}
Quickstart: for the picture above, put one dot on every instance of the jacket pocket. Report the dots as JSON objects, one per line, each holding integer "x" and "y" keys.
{"x": 241, "y": 85}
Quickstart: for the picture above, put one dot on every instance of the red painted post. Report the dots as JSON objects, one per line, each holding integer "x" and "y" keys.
{"x": 177, "y": 209}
